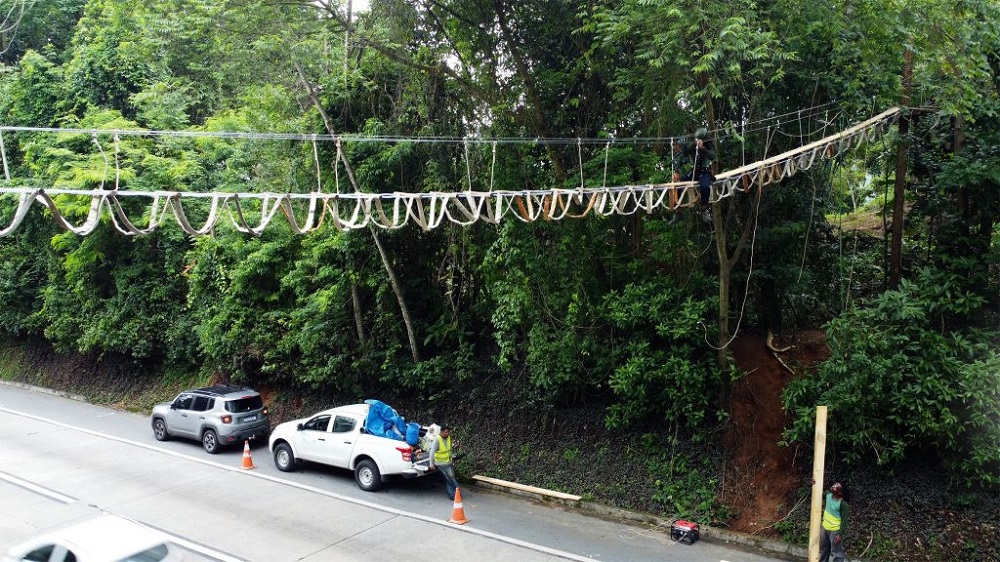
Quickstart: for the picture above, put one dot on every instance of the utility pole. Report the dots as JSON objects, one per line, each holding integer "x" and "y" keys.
{"x": 896, "y": 248}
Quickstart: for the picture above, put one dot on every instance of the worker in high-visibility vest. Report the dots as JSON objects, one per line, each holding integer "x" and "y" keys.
{"x": 440, "y": 458}
{"x": 835, "y": 513}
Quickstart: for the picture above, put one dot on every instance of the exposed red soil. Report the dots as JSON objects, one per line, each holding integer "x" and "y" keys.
{"x": 762, "y": 476}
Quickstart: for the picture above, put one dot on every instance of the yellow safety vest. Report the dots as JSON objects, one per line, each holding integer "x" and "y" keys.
{"x": 831, "y": 515}
{"x": 443, "y": 452}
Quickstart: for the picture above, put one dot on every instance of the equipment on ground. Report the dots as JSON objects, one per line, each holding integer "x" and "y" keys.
{"x": 684, "y": 531}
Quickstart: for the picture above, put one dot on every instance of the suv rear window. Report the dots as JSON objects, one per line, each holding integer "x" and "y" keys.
{"x": 245, "y": 404}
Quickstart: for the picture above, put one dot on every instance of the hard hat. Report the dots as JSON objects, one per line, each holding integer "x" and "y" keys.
{"x": 701, "y": 133}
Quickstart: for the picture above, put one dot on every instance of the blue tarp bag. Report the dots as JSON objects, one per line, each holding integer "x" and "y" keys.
{"x": 413, "y": 433}
{"x": 383, "y": 420}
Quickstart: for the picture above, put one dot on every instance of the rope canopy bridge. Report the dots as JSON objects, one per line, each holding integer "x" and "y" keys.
{"x": 307, "y": 212}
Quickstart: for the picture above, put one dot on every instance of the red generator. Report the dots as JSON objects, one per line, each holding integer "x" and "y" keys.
{"x": 684, "y": 531}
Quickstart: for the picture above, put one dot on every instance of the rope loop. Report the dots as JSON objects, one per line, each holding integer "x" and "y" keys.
{"x": 336, "y": 165}
{"x": 103, "y": 155}
{"x": 117, "y": 168}
{"x": 319, "y": 176}
{"x": 468, "y": 166}
{"x": 493, "y": 165}
{"x": 607, "y": 149}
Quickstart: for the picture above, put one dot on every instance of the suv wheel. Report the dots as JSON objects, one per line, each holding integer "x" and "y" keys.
{"x": 210, "y": 441}
{"x": 284, "y": 458}
{"x": 367, "y": 476}
{"x": 160, "y": 430}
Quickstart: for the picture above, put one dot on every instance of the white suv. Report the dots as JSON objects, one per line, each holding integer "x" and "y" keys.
{"x": 214, "y": 415}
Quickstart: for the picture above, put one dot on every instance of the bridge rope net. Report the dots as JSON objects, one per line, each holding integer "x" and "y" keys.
{"x": 251, "y": 213}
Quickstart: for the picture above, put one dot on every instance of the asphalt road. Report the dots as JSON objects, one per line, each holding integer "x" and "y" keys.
{"x": 62, "y": 460}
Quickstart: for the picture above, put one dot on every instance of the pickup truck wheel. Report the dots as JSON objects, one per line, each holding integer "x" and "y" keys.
{"x": 284, "y": 458}
{"x": 160, "y": 430}
{"x": 210, "y": 441}
{"x": 367, "y": 476}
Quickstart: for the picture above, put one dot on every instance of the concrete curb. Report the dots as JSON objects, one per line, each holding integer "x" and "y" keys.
{"x": 713, "y": 534}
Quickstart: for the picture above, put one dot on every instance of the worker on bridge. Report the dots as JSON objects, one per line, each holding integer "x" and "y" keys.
{"x": 692, "y": 161}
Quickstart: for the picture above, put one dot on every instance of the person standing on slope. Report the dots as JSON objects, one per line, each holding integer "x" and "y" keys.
{"x": 835, "y": 514}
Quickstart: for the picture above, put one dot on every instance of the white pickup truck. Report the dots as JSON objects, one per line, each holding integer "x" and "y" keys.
{"x": 337, "y": 437}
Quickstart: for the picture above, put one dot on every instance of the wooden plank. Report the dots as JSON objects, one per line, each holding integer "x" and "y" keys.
{"x": 527, "y": 489}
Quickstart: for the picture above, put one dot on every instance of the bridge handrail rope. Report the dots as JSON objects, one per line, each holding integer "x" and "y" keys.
{"x": 350, "y": 211}
{"x": 780, "y": 166}
{"x": 758, "y": 125}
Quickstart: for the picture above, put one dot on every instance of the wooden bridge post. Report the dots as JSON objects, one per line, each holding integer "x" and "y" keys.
{"x": 819, "y": 461}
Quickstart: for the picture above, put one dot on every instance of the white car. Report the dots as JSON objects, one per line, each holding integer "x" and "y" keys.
{"x": 337, "y": 437}
{"x": 107, "y": 538}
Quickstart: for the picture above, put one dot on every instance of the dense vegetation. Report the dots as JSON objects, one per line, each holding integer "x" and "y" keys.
{"x": 631, "y": 313}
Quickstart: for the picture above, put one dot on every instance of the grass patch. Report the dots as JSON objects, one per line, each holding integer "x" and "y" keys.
{"x": 12, "y": 362}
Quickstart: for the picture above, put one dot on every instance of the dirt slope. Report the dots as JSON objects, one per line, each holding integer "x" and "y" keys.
{"x": 762, "y": 477}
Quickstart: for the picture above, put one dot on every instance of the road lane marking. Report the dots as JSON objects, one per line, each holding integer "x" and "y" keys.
{"x": 211, "y": 553}
{"x": 31, "y": 486}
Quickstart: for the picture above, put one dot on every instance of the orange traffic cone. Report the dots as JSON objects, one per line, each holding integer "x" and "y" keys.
{"x": 247, "y": 460}
{"x": 458, "y": 512}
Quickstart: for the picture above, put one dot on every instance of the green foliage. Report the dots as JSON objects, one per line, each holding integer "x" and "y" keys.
{"x": 107, "y": 66}
{"x": 904, "y": 377}
{"x": 316, "y": 339}
{"x": 38, "y": 26}
{"x": 35, "y": 93}
{"x": 237, "y": 299}
{"x": 433, "y": 376}
{"x": 102, "y": 293}
{"x": 163, "y": 105}
{"x": 547, "y": 306}
{"x": 682, "y": 55}
{"x": 660, "y": 374}
{"x": 23, "y": 278}
{"x": 687, "y": 483}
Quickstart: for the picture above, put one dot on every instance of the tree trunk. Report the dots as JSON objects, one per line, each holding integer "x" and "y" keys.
{"x": 958, "y": 145}
{"x": 896, "y": 249}
{"x": 386, "y": 261}
{"x": 358, "y": 318}
{"x": 347, "y": 38}
{"x": 398, "y": 290}
{"x": 725, "y": 267}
